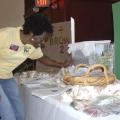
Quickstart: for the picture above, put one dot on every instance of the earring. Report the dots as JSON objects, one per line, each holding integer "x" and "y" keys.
{"x": 32, "y": 39}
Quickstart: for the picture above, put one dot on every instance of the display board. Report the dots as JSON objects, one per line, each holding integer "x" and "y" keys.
{"x": 56, "y": 47}
{"x": 116, "y": 20}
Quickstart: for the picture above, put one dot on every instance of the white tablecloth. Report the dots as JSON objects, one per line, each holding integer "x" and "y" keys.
{"x": 52, "y": 108}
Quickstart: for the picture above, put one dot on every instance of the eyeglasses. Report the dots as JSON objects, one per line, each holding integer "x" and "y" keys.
{"x": 37, "y": 38}
{"x": 40, "y": 38}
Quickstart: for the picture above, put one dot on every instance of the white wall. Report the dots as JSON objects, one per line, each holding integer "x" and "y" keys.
{"x": 11, "y": 13}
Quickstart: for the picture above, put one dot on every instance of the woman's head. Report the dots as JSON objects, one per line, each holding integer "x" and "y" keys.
{"x": 35, "y": 28}
{"x": 37, "y": 24}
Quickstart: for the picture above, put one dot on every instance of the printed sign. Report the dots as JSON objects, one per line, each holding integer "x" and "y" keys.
{"x": 57, "y": 46}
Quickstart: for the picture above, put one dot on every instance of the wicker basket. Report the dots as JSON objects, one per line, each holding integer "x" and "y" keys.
{"x": 87, "y": 79}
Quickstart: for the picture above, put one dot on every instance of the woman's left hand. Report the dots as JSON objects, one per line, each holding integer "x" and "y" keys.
{"x": 66, "y": 63}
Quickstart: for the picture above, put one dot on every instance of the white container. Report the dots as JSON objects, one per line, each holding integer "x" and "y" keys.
{"x": 92, "y": 52}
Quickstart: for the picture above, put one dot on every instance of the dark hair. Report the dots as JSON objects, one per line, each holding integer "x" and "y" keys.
{"x": 37, "y": 24}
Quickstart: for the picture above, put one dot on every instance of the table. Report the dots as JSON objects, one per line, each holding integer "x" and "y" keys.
{"x": 53, "y": 109}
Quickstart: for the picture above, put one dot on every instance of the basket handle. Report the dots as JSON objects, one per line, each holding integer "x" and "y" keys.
{"x": 98, "y": 66}
{"x": 81, "y": 65}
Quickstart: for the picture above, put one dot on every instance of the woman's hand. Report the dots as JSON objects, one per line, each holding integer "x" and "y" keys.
{"x": 66, "y": 63}
{"x": 54, "y": 63}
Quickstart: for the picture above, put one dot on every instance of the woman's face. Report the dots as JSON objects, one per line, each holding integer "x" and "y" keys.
{"x": 39, "y": 40}
{"x": 36, "y": 41}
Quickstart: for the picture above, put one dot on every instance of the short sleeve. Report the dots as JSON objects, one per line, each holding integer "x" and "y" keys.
{"x": 37, "y": 53}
